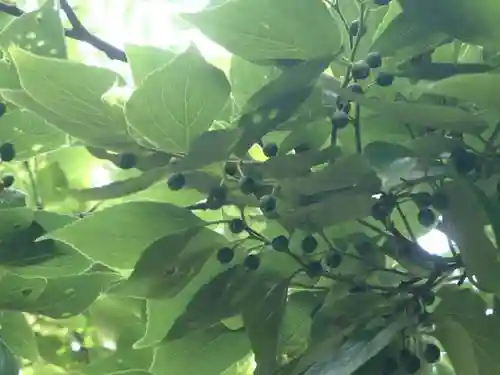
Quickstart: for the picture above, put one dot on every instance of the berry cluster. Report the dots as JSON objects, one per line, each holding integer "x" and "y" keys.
{"x": 409, "y": 362}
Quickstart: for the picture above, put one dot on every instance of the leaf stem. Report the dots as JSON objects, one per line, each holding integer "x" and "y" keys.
{"x": 34, "y": 188}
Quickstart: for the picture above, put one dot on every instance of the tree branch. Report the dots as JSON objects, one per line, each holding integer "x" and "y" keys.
{"x": 77, "y": 31}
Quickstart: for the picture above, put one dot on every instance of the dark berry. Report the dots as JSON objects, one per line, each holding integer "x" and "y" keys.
{"x": 432, "y": 353}
{"x": 389, "y": 366}
{"x": 422, "y": 200}
{"x": 314, "y": 269}
{"x": 3, "y": 109}
{"x": 355, "y": 88}
{"x": 340, "y": 119}
{"x": 247, "y": 185}
{"x": 267, "y": 203}
{"x": 411, "y": 364}
{"x": 280, "y": 243}
{"x": 384, "y": 79}
{"x": 8, "y": 181}
{"x": 380, "y": 211}
{"x": 214, "y": 204}
{"x": 252, "y": 262}
{"x": 345, "y": 107}
{"x": 270, "y": 150}
{"x": 381, "y": 2}
{"x": 360, "y": 70}
{"x": 218, "y": 193}
{"x": 225, "y": 255}
{"x": 374, "y": 60}
{"x": 464, "y": 161}
{"x": 176, "y": 181}
{"x": 127, "y": 160}
{"x": 7, "y": 152}
{"x": 230, "y": 168}
{"x": 428, "y": 298}
{"x": 426, "y": 217}
{"x": 333, "y": 259}
{"x": 309, "y": 244}
{"x": 354, "y": 28}
{"x": 236, "y": 226}
{"x": 440, "y": 201}
{"x": 303, "y": 147}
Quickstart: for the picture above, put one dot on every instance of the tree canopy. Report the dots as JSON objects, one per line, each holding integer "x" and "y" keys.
{"x": 259, "y": 214}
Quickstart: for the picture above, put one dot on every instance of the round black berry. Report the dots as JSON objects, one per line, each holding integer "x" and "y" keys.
{"x": 364, "y": 247}
{"x": 267, "y": 203}
{"x": 422, "y": 199}
{"x": 464, "y": 161}
{"x": 214, "y": 204}
{"x": 381, "y": 2}
{"x": 247, "y": 185}
{"x": 340, "y": 119}
{"x": 354, "y": 28}
{"x": 7, "y": 152}
{"x": 176, "y": 181}
{"x": 380, "y": 211}
{"x": 225, "y": 255}
{"x": 3, "y": 109}
{"x": 8, "y": 181}
{"x": 309, "y": 244}
{"x": 270, "y": 150}
{"x": 218, "y": 193}
{"x": 280, "y": 243}
{"x": 440, "y": 201}
{"x": 236, "y": 226}
{"x": 127, "y": 160}
{"x": 333, "y": 259}
{"x": 230, "y": 168}
{"x": 374, "y": 60}
{"x": 426, "y": 217}
{"x": 428, "y": 298}
{"x": 360, "y": 70}
{"x": 384, "y": 79}
{"x": 355, "y": 87}
{"x": 432, "y": 353}
{"x": 252, "y": 262}
{"x": 314, "y": 269}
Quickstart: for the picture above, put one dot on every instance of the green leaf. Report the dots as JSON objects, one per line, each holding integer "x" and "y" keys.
{"x": 207, "y": 352}
{"x": 14, "y": 220}
{"x": 31, "y": 134}
{"x": 404, "y": 38}
{"x": 422, "y": 115}
{"x": 144, "y": 60}
{"x": 8, "y": 363}
{"x": 355, "y": 352}
{"x": 477, "y": 88}
{"x": 262, "y": 315}
{"x": 164, "y": 274}
{"x": 464, "y": 223}
{"x": 63, "y": 296}
{"x": 40, "y": 32}
{"x": 171, "y": 121}
{"x": 277, "y": 101}
{"x": 244, "y": 30}
{"x": 127, "y": 230}
{"x": 18, "y": 335}
{"x": 468, "y": 337}
{"x": 19, "y": 290}
{"x": 123, "y": 359}
{"x": 131, "y": 372}
{"x": 69, "y": 96}
{"x": 209, "y": 147}
{"x": 121, "y": 188}
{"x": 474, "y": 23}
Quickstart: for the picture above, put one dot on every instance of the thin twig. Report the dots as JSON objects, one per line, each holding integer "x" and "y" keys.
{"x": 77, "y": 31}
{"x": 34, "y": 188}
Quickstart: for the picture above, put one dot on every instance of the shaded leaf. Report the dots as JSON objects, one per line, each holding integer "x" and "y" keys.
{"x": 214, "y": 351}
{"x": 18, "y": 335}
{"x": 128, "y": 228}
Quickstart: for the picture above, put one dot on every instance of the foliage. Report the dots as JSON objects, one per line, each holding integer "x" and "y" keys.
{"x": 260, "y": 218}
